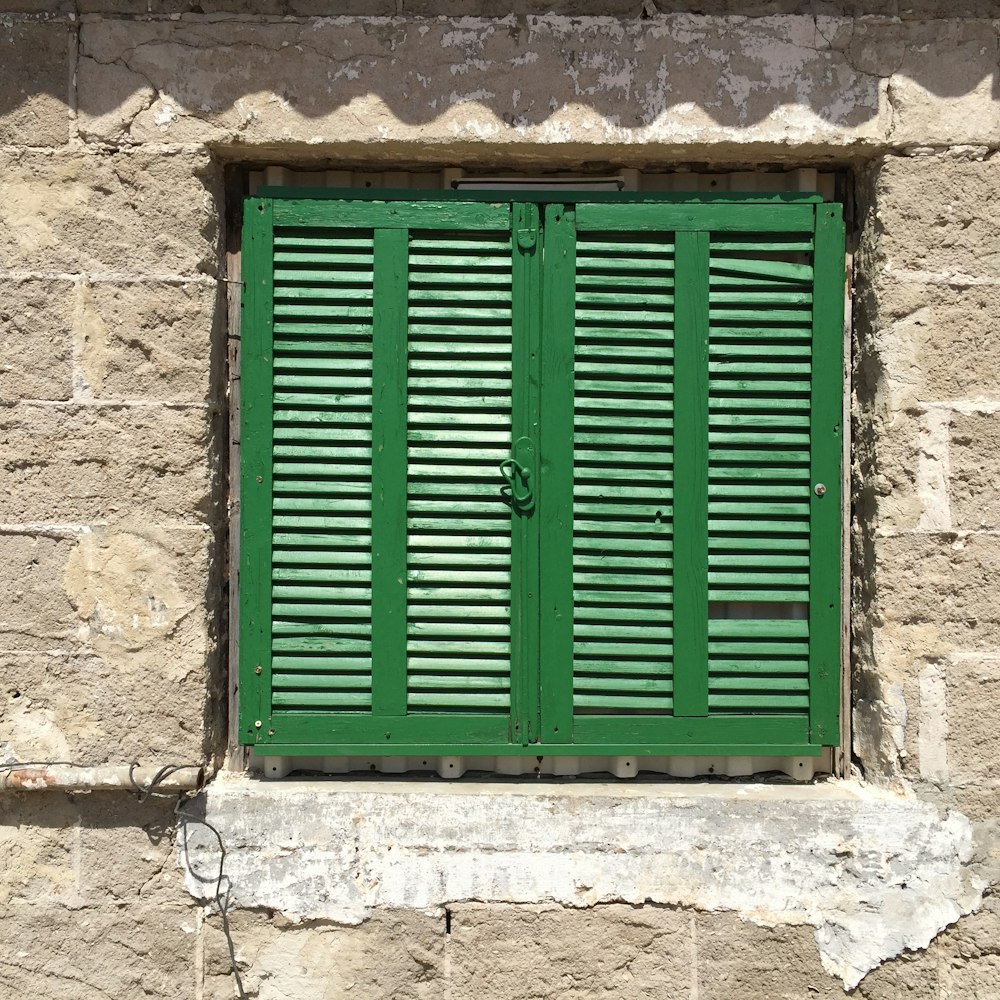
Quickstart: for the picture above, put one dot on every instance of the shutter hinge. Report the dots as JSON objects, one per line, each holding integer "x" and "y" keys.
{"x": 527, "y": 226}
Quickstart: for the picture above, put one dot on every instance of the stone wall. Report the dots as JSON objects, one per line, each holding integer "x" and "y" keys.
{"x": 118, "y": 120}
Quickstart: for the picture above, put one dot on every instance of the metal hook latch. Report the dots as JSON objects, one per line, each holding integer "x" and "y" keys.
{"x": 518, "y": 476}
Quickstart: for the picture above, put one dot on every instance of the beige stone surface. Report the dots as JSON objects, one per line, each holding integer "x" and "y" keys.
{"x": 397, "y": 954}
{"x": 899, "y": 454}
{"x": 939, "y": 216}
{"x": 978, "y": 978}
{"x": 975, "y": 471}
{"x": 942, "y": 78}
{"x": 939, "y": 578}
{"x": 34, "y": 84}
{"x": 739, "y": 959}
{"x": 135, "y": 213}
{"x": 903, "y": 9}
{"x": 513, "y": 952}
{"x": 91, "y": 905}
{"x": 87, "y": 463}
{"x": 58, "y": 953}
{"x": 35, "y": 610}
{"x": 973, "y": 692}
{"x": 909, "y": 977}
{"x": 148, "y": 340}
{"x": 110, "y": 653}
{"x": 939, "y": 342}
{"x": 35, "y": 342}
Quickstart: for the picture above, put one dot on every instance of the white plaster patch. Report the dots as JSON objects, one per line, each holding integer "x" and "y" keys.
{"x": 932, "y": 736}
{"x": 933, "y": 471}
{"x": 874, "y": 873}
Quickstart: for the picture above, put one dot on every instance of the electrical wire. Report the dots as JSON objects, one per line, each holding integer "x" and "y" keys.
{"x": 150, "y": 790}
{"x": 220, "y": 898}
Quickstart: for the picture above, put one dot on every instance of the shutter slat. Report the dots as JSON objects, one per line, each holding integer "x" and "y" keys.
{"x": 760, "y": 365}
{"x": 322, "y": 364}
{"x": 459, "y": 385}
{"x": 622, "y": 490}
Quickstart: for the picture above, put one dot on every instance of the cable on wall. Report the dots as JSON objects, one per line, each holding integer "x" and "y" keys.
{"x": 154, "y": 788}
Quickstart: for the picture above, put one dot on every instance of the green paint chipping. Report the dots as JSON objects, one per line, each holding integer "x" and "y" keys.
{"x": 540, "y": 477}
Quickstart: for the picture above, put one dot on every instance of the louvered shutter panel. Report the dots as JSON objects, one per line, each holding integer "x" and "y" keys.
{"x": 458, "y": 432}
{"x": 694, "y": 596}
{"x": 669, "y": 374}
{"x": 377, "y": 545}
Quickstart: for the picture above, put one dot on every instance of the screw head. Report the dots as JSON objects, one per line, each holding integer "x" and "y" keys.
{"x": 819, "y": 489}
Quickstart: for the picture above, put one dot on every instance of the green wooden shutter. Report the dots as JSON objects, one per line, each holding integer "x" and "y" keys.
{"x": 668, "y": 374}
{"x": 377, "y": 549}
{"x": 692, "y": 582}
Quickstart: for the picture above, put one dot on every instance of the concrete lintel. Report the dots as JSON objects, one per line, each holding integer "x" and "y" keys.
{"x": 874, "y": 873}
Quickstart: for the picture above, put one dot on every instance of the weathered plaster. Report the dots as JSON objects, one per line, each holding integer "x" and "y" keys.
{"x": 581, "y": 86}
{"x": 875, "y": 874}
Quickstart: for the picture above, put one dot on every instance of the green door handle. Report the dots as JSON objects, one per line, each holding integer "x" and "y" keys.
{"x": 518, "y": 477}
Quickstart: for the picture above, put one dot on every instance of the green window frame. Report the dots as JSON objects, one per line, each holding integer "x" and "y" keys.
{"x": 540, "y": 474}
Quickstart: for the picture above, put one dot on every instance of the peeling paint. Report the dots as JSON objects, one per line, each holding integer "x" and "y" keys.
{"x": 875, "y": 874}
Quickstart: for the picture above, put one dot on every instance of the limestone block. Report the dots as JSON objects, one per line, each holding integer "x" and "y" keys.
{"x": 48, "y": 8}
{"x": 134, "y": 213}
{"x": 134, "y": 589}
{"x": 978, "y": 803}
{"x": 34, "y": 84}
{"x": 147, "y": 340}
{"x": 35, "y": 611}
{"x": 938, "y": 342}
{"x": 252, "y": 8}
{"x": 395, "y": 954}
{"x": 138, "y": 835}
{"x": 40, "y": 846}
{"x": 88, "y": 463}
{"x": 35, "y": 354}
{"x": 941, "y": 76}
{"x": 93, "y": 954}
{"x": 939, "y": 216}
{"x": 978, "y": 978}
{"x": 973, "y": 699}
{"x": 974, "y": 934}
{"x": 443, "y": 88}
{"x": 570, "y": 8}
{"x": 738, "y": 959}
{"x": 940, "y": 578}
{"x": 89, "y": 851}
{"x": 898, "y": 456}
{"x": 130, "y": 673}
{"x": 643, "y": 952}
{"x": 101, "y": 710}
{"x": 975, "y": 474}
{"x": 914, "y": 977}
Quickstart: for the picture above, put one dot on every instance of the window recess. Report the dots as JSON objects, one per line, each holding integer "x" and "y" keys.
{"x": 540, "y": 474}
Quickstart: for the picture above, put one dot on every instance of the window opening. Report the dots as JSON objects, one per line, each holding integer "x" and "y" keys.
{"x": 437, "y": 363}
